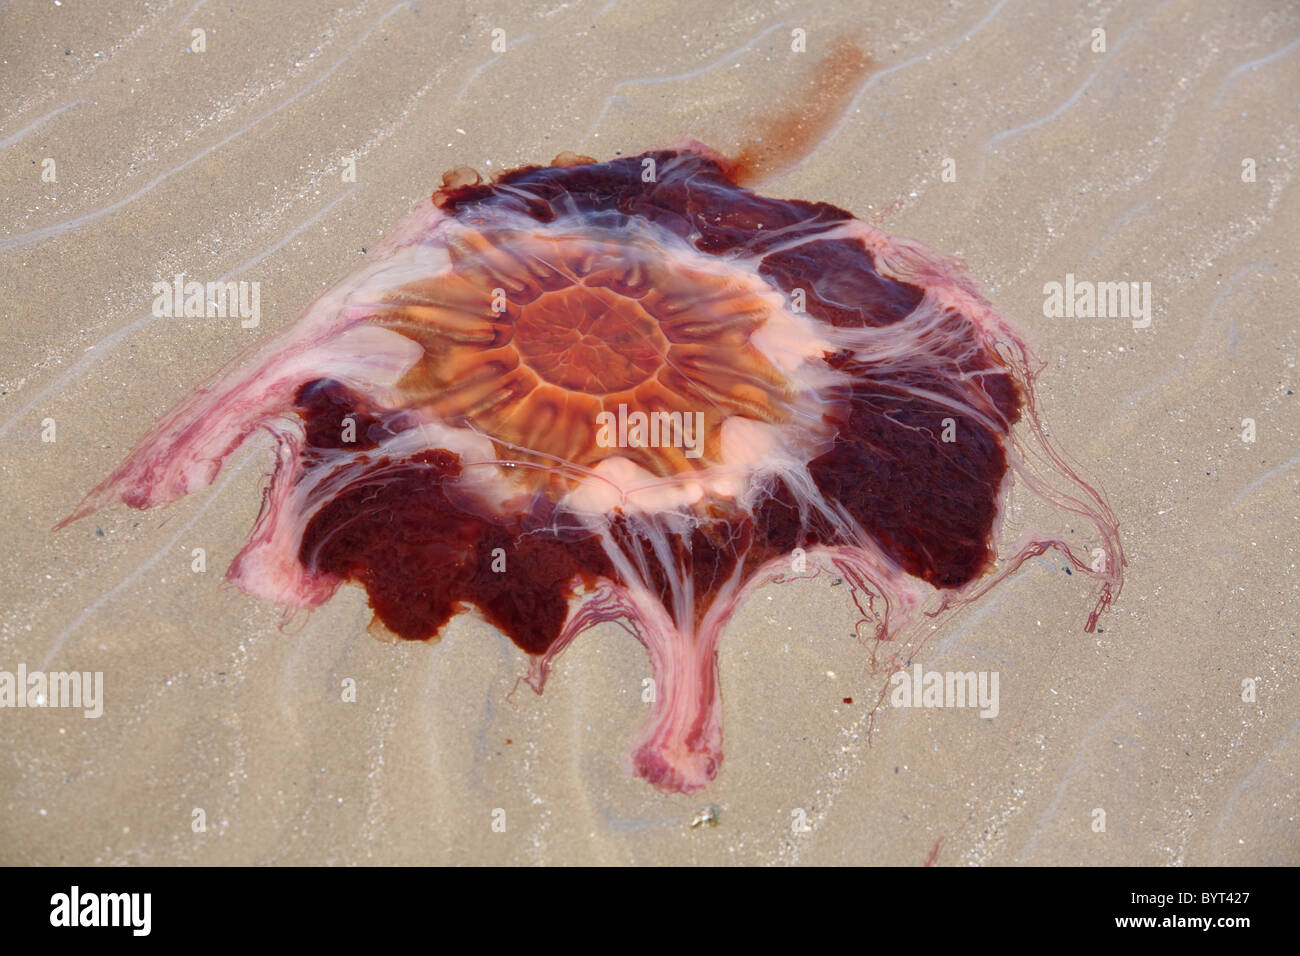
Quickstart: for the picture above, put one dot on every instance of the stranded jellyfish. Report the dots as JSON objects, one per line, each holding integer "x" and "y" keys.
{"x": 632, "y": 391}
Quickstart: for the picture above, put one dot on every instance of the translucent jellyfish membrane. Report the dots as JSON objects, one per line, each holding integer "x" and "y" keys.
{"x": 631, "y": 391}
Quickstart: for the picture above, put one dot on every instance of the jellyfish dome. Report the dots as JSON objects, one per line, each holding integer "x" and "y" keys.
{"x": 631, "y": 391}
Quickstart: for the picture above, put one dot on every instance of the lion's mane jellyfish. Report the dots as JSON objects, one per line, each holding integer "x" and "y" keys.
{"x": 631, "y": 391}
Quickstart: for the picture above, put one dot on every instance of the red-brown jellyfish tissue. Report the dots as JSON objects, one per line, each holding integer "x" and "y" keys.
{"x": 631, "y": 390}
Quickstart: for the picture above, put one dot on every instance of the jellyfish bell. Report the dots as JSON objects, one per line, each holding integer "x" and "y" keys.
{"x": 579, "y": 394}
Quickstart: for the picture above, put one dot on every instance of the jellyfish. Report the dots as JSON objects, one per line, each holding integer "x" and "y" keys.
{"x": 632, "y": 391}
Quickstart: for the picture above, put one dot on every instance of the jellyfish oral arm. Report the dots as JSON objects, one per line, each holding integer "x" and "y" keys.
{"x": 679, "y": 748}
{"x": 185, "y": 450}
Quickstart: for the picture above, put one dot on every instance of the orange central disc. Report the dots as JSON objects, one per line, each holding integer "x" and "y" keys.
{"x": 589, "y": 340}
{"x": 533, "y": 339}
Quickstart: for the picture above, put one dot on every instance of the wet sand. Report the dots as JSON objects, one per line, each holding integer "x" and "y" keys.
{"x": 1124, "y": 166}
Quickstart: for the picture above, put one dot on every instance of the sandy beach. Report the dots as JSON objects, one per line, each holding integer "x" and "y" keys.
{"x": 1005, "y": 132}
